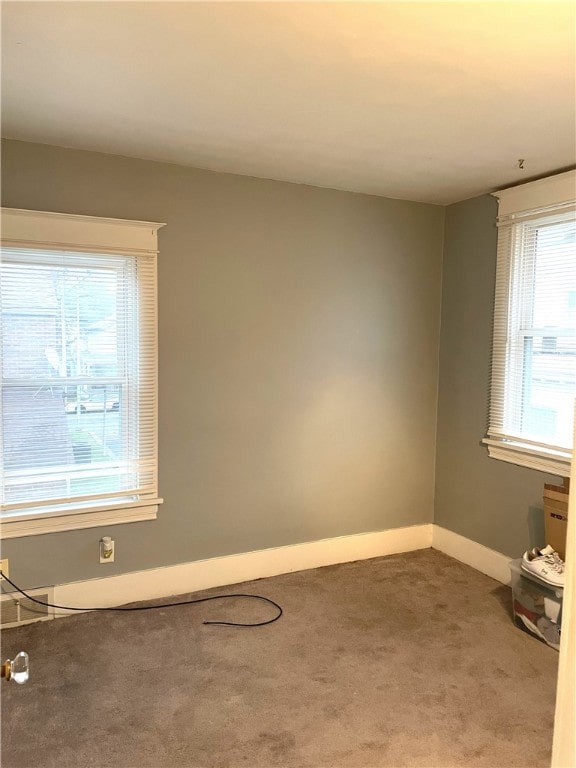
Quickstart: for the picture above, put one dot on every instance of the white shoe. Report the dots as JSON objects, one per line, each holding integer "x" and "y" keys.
{"x": 546, "y": 564}
{"x": 548, "y": 550}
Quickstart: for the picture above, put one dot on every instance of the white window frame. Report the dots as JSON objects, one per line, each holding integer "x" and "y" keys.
{"x": 39, "y": 230}
{"x": 553, "y": 194}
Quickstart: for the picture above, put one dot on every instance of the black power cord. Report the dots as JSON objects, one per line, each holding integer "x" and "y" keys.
{"x": 163, "y": 605}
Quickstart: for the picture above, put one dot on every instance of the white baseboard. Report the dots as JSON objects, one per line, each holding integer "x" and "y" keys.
{"x": 247, "y": 566}
{"x": 483, "y": 559}
{"x": 233, "y": 569}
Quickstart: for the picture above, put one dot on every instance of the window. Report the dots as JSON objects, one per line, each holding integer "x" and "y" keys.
{"x": 79, "y": 392}
{"x": 534, "y": 349}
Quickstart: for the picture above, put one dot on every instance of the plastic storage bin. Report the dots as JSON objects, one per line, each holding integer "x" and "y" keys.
{"x": 536, "y": 606}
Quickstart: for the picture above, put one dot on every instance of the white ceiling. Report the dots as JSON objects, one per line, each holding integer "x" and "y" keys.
{"x": 429, "y": 101}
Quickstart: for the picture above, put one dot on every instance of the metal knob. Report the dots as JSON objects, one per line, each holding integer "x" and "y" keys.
{"x": 16, "y": 669}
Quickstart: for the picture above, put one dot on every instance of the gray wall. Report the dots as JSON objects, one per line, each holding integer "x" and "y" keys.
{"x": 298, "y": 339}
{"x": 489, "y": 501}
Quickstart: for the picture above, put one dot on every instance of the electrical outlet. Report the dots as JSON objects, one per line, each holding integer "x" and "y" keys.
{"x": 5, "y": 568}
{"x": 106, "y": 549}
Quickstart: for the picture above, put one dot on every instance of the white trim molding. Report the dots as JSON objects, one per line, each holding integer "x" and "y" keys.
{"x": 564, "y": 743}
{"x": 43, "y": 229}
{"x": 14, "y": 528}
{"x": 224, "y": 571}
{"x": 233, "y": 569}
{"x": 553, "y": 190}
{"x": 552, "y": 462}
{"x": 483, "y": 559}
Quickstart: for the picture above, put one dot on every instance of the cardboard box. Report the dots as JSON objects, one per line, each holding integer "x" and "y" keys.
{"x": 556, "y": 515}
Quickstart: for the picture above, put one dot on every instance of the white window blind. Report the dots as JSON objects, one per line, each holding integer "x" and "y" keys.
{"x": 79, "y": 372}
{"x": 534, "y": 347}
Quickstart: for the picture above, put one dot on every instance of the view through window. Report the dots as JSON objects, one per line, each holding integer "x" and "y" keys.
{"x": 69, "y": 330}
{"x": 548, "y": 335}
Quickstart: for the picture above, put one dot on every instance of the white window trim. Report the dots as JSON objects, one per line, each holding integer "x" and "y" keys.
{"x": 60, "y": 231}
{"x": 555, "y": 463}
{"x": 554, "y": 191}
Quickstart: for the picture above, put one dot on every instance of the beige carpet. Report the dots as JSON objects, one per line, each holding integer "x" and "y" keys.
{"x": 408, "y": 660}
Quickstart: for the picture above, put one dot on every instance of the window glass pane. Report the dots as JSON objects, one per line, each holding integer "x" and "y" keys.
{"x": 64, "y": 332}
{"x": 59, "y": 321}
{"x": 554, "y": 280}
{"x": 549, "y": 387}
{"x": 549, "y": 360}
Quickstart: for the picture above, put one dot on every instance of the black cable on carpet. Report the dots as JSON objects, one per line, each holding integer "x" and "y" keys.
{"x": 164, "y": 605}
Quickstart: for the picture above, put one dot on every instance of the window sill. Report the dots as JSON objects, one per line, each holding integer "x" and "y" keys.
{"x": 552, "y": 462}
{"x": 14, "y": 527}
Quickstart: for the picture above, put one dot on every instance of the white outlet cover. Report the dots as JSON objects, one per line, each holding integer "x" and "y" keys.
{"x": 107, "y": 559}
